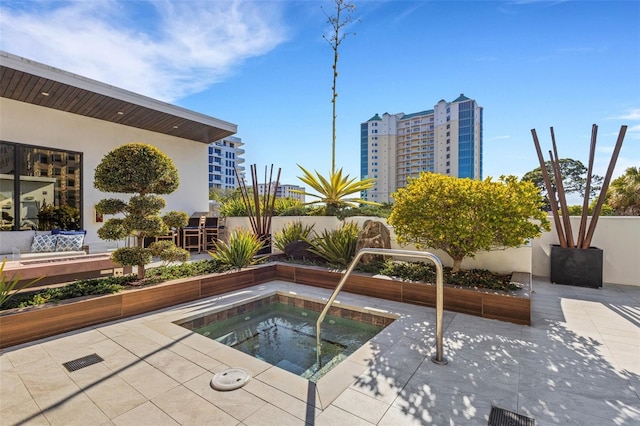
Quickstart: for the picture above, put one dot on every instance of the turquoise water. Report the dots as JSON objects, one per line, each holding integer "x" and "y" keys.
{"x": 285, "y": 336}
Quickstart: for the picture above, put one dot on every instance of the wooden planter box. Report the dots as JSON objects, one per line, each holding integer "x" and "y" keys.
{"x": 24, "y": 325}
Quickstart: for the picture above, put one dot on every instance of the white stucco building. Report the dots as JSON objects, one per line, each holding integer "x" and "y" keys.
{"x": 55, "y": 127}
{"x": 446, "y": 139}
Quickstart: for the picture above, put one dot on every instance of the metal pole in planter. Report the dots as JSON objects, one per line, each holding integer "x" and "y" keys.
{"x": 438, "y": 358}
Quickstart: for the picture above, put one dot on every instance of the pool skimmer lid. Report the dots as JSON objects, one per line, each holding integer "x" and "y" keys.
{"x": 230, "y": 379}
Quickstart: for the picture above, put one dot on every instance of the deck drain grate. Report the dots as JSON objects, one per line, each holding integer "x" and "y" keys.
{"x": 502, "y": 417}
{"x": 83, "y": 362}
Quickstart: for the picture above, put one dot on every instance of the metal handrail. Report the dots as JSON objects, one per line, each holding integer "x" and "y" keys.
{"x": 438, "y": 358}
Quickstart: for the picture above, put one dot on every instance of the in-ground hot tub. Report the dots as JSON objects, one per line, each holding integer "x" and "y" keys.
{"x": 281, "y": 330}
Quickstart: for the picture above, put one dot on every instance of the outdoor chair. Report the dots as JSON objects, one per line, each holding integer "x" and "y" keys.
{"x": 210, "y": 233}
{"x": 193, "y": 236}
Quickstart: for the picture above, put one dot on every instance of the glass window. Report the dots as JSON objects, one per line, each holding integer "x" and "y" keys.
{"x": 29, "y": 171}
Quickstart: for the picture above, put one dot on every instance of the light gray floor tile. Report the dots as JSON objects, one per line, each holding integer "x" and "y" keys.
{"x": 334, "y": 416}
{"x": 146, "y": 414}
{"x": 199, "y": 412}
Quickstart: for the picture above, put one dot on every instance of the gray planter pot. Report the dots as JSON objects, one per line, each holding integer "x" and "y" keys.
{"x": 577, "y": 267}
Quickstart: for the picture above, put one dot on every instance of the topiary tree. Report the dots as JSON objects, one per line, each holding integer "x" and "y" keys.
{"x": 145, "y": 171}
{"x": 464, "y": 216}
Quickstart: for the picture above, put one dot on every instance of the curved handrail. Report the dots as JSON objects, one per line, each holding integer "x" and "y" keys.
{"x": 438, "y": 358}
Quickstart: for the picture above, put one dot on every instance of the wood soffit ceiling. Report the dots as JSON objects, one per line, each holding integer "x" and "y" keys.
{"x": 26, "y": 87}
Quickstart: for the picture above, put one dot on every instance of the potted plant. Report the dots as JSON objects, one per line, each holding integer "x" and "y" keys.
{"x": 575, "y": 262}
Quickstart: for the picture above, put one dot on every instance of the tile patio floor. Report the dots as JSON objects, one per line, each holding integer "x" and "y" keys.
{"x": 578, "y": 364}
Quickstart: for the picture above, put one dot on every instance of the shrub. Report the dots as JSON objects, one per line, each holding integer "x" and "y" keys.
{"x": 185, "y": 270}
{"x": 239, "y": 251}
{"x": 154, "y": 173}
{"x": 337, "y": 246}
{"x": 131, "y": 256}
{"x": 292, "y": 232}
{"x": 464, "y": 216}
{"x": 94, "y": 286}
{"x": 62, "y": 217}
{"x": 167, "y": 251}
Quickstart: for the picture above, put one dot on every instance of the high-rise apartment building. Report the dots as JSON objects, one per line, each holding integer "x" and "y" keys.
{"x": 283, "y": 191}
{"x": 446, "y": 139}
{"x": 224, "y": 155}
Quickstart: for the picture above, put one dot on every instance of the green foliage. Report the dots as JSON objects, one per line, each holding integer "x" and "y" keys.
{"x": 167, "y": 251}
{"x": 606, "y": 209}
{"x": 136, "y": 168}
{"x": 233, "y": 207}
{"x": 8, "y": 286}
{"x": 111, "y": 206}
{"x": 79, "y": 288}
{"x": 184, "y": 270}
{"x": 292, "y": 232}
{"x": 464, "y": 216}
{"x": 334, "y": 192}
{"x": 383, "y": 210}
{"x": 239, "y": 251}
{"x": 113, "y": 229}
{"x": 176, "y": 219}
{"x": 338, "y": 246}
{"x": 287, "y": 206}
{"x": 131, "y": 256}
{"x": 142, "y": 170}
{"x": 422, "y": 272}
{"x": 574, "y": 179}
{"x": 624, "y": 193}
{"x": 60, "y": 217}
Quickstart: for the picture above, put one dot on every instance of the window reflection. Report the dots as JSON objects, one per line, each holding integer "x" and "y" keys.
{"x": 49, "y": 184}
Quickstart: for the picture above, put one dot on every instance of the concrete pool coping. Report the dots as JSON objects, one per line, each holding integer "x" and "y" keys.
{"x": 322, "y": 393}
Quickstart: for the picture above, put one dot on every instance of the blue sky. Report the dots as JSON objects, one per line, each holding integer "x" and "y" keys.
{"x": 265, "y": 66}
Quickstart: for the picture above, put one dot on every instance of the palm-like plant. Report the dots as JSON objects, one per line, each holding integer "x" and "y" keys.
{"x": 335, "y": 191}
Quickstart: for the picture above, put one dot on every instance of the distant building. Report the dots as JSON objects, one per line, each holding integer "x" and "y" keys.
{"x": 224, "y": 155}
{"x": 446, "y": 139}
{"x": 283, "y": 191}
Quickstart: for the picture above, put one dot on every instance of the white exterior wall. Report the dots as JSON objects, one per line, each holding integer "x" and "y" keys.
{"x": 34, "y": 125}
{"x": 618, "y": 237}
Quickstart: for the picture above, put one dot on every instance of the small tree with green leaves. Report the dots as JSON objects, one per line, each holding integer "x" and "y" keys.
{"x": 145, "y": 171}
{"x": 464, "y": 216}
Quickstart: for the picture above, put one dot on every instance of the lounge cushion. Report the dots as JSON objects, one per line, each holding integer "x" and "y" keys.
{"x": 69, "y": 242}
{"x": 44, "y": 243}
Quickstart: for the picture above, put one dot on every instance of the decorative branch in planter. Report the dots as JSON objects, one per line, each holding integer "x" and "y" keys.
{"x": 260, "y": 211}
{"x": 575, "y": 262}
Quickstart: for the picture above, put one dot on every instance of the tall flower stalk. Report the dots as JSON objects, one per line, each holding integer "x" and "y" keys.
{"x": 334, "y": 192}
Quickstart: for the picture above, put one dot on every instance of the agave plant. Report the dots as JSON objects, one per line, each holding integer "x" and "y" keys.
{"x": 292, "y": 232}
{"x": 337, "y": 246}
{"x": 334, "y": 192}
{"x": 239, "y": 251}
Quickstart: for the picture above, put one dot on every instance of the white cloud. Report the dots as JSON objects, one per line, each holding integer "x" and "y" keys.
{"x": 161, "y": 49}
{"x": 631, "y": 114}
{"x": 495, "y": 138}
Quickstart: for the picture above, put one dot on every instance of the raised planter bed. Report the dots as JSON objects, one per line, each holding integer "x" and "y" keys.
{"x": 24, "y": 325}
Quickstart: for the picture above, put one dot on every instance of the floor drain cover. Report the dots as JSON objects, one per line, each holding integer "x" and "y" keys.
{"x": 230, "y": 379}
{"x": 83, "y": 362}
{"x": 502, "y": 417}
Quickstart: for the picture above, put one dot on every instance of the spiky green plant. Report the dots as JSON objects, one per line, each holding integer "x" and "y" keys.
{"x": 239, "y": 251}
{"x": 292, "y": 231}
{"x": 337, "y": 246}
{"x": 8, "y": 286}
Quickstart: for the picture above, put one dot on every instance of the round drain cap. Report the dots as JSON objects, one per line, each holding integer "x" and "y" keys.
{"x": 230, "y": 379}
